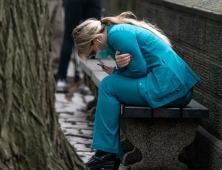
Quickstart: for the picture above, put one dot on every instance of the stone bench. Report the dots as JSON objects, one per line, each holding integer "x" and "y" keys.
{"x": 157, "y": 139}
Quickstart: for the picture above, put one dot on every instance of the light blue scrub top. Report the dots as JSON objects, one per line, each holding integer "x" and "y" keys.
{"x": 162, "y": 75}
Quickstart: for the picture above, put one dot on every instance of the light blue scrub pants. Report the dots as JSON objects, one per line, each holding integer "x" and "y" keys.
{"x": 113, "y": 90}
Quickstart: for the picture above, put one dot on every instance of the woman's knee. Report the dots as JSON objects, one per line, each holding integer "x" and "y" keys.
{"x": 107, "y": 83}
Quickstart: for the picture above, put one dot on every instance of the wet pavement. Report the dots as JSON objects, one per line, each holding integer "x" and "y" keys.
{"x": 77, "y": 122}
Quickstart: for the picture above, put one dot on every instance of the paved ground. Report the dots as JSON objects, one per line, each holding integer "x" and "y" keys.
{"x": 76, "y": 123}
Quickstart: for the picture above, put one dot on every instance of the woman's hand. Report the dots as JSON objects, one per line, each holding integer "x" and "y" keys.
{"x": 108, "y": 69}
{"x": 123, "y": 60}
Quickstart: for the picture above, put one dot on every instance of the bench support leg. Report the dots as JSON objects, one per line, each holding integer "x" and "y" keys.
{"x": 132, "y": 157}
{"x": 160, "y": 141}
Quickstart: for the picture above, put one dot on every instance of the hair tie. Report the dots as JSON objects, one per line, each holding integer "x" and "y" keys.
{"x": 104, "y": 23}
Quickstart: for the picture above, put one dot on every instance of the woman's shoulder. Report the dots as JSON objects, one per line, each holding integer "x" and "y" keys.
{"x": 120, "y": 27}
{"x": 118, "y": 32}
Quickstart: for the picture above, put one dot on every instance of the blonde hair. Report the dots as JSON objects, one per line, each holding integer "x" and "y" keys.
{"x": 92, "y": 28}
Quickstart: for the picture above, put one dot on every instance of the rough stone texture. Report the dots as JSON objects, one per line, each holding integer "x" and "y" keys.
{"x": 209, "y": 5}
{"x": 207, "y": 144}
{"x": 160, "y": 141}
{"x": 132, "y": 157}
{"x": 195, "y": 29}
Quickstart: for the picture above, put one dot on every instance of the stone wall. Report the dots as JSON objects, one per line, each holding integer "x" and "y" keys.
{"x": 195, "y": 29}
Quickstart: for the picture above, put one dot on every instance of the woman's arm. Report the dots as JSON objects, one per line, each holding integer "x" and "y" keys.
{"x": 126, "y": 42}
{"x": 123, "y": 60}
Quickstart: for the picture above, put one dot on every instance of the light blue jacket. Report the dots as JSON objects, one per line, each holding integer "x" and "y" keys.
{"x": 162, "y": 75}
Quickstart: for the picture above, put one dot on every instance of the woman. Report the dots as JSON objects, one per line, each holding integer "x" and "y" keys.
{"x": 149, "y": 73}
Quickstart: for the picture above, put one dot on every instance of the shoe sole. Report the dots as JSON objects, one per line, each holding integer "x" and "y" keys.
{"x": 104, "y": 166}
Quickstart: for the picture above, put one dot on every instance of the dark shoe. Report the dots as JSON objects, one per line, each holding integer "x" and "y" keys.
{"x": 117, "y": 164}
{"x": 106, "y": 162}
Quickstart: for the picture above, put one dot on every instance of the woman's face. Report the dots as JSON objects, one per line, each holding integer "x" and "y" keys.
{"x": 96, "y": 44}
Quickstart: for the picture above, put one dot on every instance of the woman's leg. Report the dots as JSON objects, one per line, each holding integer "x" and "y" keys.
{"x": 113, "y": 90}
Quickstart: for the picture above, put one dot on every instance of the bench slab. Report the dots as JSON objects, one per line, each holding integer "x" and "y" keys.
{"x": 192, "y": 110}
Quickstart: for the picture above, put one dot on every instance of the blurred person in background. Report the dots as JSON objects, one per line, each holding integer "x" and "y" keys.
{"x": 75, "y": 12}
